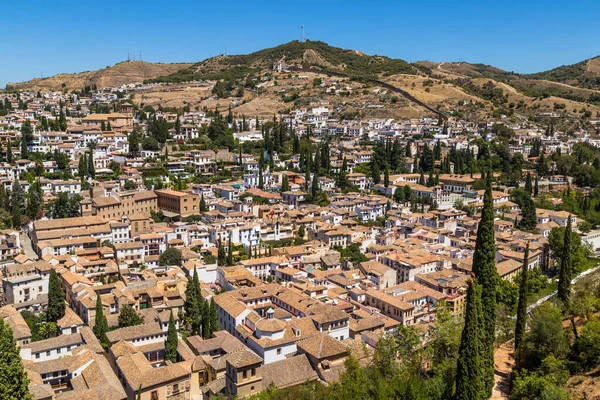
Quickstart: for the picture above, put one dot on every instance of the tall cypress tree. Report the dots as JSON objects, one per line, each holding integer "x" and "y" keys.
{"x": 171, "y": 343}
{"x": 565, "y": 275}
{"x": 9, "y": 155}
{"x": 212, "y": 316}
{"x": 101, "y": 324}
{"x": 13, "y": 379}
{"x": 484, "y": 268}
{"x": 528, "y": 184}
{"x": 91, "y": 168}
{"x": 470, "y": 376}
{"x": 229, "y": 252}
{"x": 205, "y": 310}
{"x": 191, "y": 305}
{"x": 536, "y": 188}
{"x": 203, "y": 207}
{"x": 522, "y": 307}
{"x": 56, "y": 301}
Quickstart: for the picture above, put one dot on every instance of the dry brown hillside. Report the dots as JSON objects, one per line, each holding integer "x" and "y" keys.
{"x": 119, "y": 74}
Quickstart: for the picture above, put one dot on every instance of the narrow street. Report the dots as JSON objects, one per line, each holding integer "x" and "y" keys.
{"x": 503, "y": 365}
{"x": 27, "y": 246}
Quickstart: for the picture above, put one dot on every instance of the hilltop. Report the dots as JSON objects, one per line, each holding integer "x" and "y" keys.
{"x": 298, "y": 54}
{"x": 119, "y": 74}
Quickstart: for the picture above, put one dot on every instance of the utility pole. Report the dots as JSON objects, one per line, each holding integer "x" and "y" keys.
{"x": 302, "y": 34}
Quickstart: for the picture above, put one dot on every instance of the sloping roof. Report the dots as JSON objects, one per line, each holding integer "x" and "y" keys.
{"x": 289, "y": 372}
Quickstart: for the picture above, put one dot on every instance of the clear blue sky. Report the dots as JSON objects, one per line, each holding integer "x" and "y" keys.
{"x": 71, "y": 36}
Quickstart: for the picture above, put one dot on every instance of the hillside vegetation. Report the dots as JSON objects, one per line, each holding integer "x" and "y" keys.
{"x": 119, "y": 74}
{"x": 304, "y": 54}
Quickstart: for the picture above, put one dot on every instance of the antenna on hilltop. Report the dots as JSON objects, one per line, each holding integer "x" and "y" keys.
{"x": 140, "y": 55}
{"x": 302, "y": 33}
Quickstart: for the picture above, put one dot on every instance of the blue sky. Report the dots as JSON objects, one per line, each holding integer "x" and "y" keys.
{"x": 49, "y": 37}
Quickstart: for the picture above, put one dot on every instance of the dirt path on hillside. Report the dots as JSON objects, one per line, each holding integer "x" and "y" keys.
{"x": 503, "y": 365}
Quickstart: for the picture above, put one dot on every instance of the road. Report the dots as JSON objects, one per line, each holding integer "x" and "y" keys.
{"x": 548, "y": 297}
{"x": 27, "y": 246}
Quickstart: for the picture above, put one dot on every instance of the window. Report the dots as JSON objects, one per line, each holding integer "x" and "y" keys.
{"x": 176, "y": 388}
{"x": 48, "y": 353}
{"x": 278, "y": 352}
{"x": 244, "y": 374}
{"x": 253, "y": 371}
{"x": 37, "y": 355}
{"x": 154, "y": 395}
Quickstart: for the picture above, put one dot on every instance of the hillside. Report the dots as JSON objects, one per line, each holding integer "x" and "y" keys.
{"x": 119, "y": 74}
{"x": 584, "y": 74}
{"x": 300, "y": 54}
{"x": 562, "y": 82}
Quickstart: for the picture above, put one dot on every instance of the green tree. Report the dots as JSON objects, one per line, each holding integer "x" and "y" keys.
{"x": 528, "y": 215}
{"x": 471, "y": 375}
{"x": 82, "y": 166}
{"x": 565, "y": 274}
{"x": 522, "y": 306}
{"x": 229, "y": 252}
{"x": 546, "y": 337}
{"x": 285, "y": 185}
{"x": 203, "y": 207}
{"x": 34, "y": 200}
{"x": 91, "y": 169}
{"x": 588, "y": 345}
{"x": 171, "y": 256}
{"x": 100, "y": 322}
{"x": 212, "y": 315}
{"x": 192, "y": 304}
{"x": 484, "y": 268}
{"x": 9, "y": 155}
{"x": 353, "y": 382}
{"x": 171, "y": 343}
{"x": 528, "y": 184}
{"x": 129, "y": 317}
{"x": 13, "y": 378}
{"x": 56, "y": 300}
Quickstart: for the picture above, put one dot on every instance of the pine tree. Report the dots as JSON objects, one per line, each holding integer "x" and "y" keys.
{"x": 522, "y": 307}
{"x": 129, "y": 317}
{"x": 486, "y": 274}
{"x": 56, "y": 300}
{"x": 171, "y": 343}
{"x": 100, "y": 322}
{"x": 13, "y": 378}
{"x": 470, "y": 372}
{"x": 565, "y": 274}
